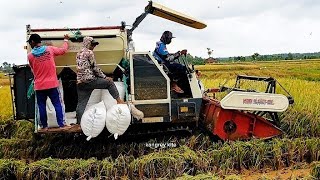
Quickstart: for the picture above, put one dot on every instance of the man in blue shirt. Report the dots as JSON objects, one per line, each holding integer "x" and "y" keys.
{"x": 164, "y": 57}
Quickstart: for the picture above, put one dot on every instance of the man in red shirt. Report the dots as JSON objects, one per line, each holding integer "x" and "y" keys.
{"x": 41, "y": 60}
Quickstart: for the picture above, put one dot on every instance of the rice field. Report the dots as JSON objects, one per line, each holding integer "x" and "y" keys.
{"x": 295, "y": 155}
{"x": 6, "y": 104}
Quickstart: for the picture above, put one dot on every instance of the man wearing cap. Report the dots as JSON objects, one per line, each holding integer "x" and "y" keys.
{"x": 90, "y": 77}
{"x": 41, "y": 60}
{"x": 164, "y": 57}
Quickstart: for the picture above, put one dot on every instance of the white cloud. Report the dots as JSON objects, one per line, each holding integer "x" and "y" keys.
{"x": 234, "y": 27}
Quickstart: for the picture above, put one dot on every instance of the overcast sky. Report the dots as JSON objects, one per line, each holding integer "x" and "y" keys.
{"x": 234, "y": 27}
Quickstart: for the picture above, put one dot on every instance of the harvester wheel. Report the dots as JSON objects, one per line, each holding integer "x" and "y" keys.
{"x": 229, "y": 127}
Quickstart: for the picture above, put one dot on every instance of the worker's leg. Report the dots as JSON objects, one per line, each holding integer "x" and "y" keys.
{"x": 84, "y": 94}
{"x": 177, "y": 71}
{"x": 56, "y": 100}
{"x": 101, "y": 83}
{"x": 41, "y": 101}
{"x": 177, "y": 68}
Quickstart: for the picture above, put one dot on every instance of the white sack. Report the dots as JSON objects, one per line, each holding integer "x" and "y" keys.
{"x": 118, "y": 119}
{"x": 51, "y": 112}
{"x": 93, "y": 120}
{"x": 95, "y": 98}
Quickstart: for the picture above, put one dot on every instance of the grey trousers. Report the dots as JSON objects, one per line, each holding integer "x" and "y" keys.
{"x": 85, "y": 90}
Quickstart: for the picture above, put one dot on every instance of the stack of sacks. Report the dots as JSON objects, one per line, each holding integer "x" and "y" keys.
{"x": 117, "y": 117}
{"x": 94, "y": 118}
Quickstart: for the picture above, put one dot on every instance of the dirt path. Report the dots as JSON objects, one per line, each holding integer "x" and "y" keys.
{"x": 286, "y": 173}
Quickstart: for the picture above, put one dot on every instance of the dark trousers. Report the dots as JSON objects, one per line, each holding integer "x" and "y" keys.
{"x": 177, "y": 72}
{"x": 85, "y": 90}
{"x": 175, "y": 68}
{"x": 55, "y": 98}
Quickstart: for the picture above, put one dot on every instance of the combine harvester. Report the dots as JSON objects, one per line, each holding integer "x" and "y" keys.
{"x": 241, "y": 114}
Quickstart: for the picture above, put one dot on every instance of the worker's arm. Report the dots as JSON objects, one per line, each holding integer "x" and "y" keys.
{"x": 164, "y": 54}
{"x": 29, "y": 57}
{"x": 62, "y": 50}
{"x": 30, "y": 62}
{"x": 97, "y": 71}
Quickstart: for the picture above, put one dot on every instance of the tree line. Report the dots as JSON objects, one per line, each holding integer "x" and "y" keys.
{"x": 6, "y": 67}
{"x": 255, "y": 57}
{"x": 274, "y": 57}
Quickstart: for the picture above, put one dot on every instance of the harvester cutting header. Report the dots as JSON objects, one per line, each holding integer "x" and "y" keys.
{"x": 146, "y": 82}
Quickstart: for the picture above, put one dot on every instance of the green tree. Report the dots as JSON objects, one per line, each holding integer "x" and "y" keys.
{"x": 290, "y": 56}
{"x": 255, "y": 56}
{"x": 209, "y": 52}
{"x": 6, "y": 67}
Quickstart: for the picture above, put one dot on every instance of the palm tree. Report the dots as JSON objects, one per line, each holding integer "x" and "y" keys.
{"x": 209, "y": 52}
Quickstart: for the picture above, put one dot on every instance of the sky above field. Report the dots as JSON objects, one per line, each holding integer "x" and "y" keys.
{"x": 235, "y": 28}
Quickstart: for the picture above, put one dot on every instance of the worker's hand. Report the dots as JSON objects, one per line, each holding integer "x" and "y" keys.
{"x": 66, "y": 36}
{"x": 183, "y": 52}
{"x": 177, "y": 55}
{"x": 108, "y": 79}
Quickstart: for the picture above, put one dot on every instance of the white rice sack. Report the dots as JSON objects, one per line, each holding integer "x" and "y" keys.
{"x": 108, "y": 100}
{"x": 51, "y": 112}
{"x": 118, "y": 119}
{"x": 93, "y": 120}
{"x": 95, "y": 98}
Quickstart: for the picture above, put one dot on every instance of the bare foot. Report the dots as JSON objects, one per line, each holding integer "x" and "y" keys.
{"x": 65, "y": 127}
{"x": 120, "y": 101}
{"x": 43, "y": 129}
{"x": 177, "y": 89}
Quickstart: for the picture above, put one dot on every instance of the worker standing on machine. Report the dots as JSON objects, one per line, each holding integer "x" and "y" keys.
{"x": 41, "y": 60}
{"x": 164, "y": 57}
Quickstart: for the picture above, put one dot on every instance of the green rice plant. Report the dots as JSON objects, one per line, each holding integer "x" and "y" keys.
{"x": 23, "y": 130}
{"x": 313, "y": 146}
{"x": 277, "y": 150}
{"x": 62, "y": 169}
{"x": 241, "y": 151}
{"x": 107, "y": 169}
{"x": 168, "y": 164}
{"x": 233, "y": 177}
{"x": 259, "y": 154}
{"x": 122, "y": 167}
{"x": 226, "y": 162}
{"x": 315, "y": 170}
{"x": 264, "y": 177}
{"x": 11, "y": 169}
{"x": 207, "y": 176}
{"x": 15, "y": 148}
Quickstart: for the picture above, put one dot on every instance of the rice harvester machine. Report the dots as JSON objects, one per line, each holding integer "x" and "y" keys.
{"x": 241, "y": 114}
